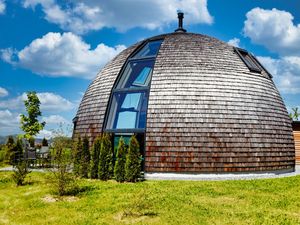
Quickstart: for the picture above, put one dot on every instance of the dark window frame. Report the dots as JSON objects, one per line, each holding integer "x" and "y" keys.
{"x": 254, "y": 60}
{"x": 116, "y": 90}
{"x": 242, "y": 53}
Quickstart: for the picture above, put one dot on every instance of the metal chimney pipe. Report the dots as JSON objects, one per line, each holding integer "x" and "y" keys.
{"x": 180, "y": 22}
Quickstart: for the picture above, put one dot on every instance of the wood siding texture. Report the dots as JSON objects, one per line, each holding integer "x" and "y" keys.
{"x": 208, "y": 113}
{"x": 297, "y": 146}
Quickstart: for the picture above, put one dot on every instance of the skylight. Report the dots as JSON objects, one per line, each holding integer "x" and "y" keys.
{"x": 249, "y": 60}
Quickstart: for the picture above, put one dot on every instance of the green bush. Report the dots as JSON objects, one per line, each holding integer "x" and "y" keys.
{"x": 77, "y": 152}
{"x": 119, "y": 170}
{"x": 20, "y": 173}
{"x": 62, "y": 180}
{"x": 133, "y": 161}
{"x": 85, "y": 159}
{"x": 106, "y": 158}
{"x": 95, "y": 158}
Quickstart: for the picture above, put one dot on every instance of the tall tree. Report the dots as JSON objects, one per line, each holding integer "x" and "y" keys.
{"x": 95, "y": 158}
{"x": 133, "y": 161}
{"x": 30, "y": 123}
{"x": 77, "y": 152}
{"x": 119, "y": 170}
{"x": 85, "y": 158}
{"x": 106, "y": 167}
{"x": 295, "y": 115}
{"x": 44, "y": 142}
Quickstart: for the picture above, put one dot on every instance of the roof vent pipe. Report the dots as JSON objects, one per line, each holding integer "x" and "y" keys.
{"x": 180, "y": 22}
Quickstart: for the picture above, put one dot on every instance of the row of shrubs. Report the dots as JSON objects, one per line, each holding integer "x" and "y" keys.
{"x": 101, "y": 162}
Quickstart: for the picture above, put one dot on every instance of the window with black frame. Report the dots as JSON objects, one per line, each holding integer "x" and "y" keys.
{"x": 129, "y": 100}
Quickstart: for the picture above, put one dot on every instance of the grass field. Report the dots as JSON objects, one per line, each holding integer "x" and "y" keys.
{"x": 271, "y": 201}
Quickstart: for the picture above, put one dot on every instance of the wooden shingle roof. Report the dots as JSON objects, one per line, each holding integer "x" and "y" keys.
{"x": 206, "y": 112}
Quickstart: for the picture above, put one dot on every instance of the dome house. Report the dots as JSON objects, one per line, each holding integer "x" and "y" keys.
{"x": 195, "y": 103}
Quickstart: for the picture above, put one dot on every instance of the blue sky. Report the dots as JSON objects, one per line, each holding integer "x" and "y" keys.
{"x": 57, "y": 47}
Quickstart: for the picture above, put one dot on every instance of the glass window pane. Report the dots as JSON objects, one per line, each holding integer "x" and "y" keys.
{"x": 126, "y": 120}
{"x": 128, "y": 111}
{"x": 136, "y": 74}
{"x": 150, "y": 49}
{"x": 131, "y": 101}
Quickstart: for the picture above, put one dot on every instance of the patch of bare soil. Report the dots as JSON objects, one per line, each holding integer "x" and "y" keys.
{"x": 49, "y": 199}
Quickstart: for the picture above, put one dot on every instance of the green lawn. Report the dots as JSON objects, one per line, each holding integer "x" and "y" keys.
{"x": 271, "y": 201}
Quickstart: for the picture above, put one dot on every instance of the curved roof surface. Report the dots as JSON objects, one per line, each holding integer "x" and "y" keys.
{"x": 206, "y": 112}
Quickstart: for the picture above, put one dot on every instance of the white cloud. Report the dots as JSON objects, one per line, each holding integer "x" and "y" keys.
{"x": 235, "y": 42}
{"x": 49, "y": 102}
{"x": 285, "y": 71}
{"x": 64, "y": 54}
{"x": 9, "y": 122}
{"x": 2, "y": 7}
{"x": 45, "y": 134}
{"x": 55, "y": 119}
{"x": 274, "y": 29}
{"x": 3, "y": 92}
{"x": 86, "y": 15}
{"x": 54, "y": 102}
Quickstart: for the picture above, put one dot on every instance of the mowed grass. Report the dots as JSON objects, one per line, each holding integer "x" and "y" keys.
{"x": 269, "y": 201}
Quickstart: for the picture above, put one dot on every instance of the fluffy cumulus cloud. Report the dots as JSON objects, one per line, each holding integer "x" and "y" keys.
{"x": 235, "y": 42}
{"x": 49, "y": 102}
{"x": 3, "y": 92}
{"x": 55, "y": 119}
{"x": 86, "y": 15}
{"x": 275, "y": 30}
{"x": 9, "y": 122}
{"x": 2, "y": 7}
{"x": 64, "y": 54}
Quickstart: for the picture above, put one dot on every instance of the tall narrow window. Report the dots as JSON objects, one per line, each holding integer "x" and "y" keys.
{"x": 129, "y": 100}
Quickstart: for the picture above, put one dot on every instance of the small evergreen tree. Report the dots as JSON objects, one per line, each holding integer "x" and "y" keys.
{"x": 95, "y": 158}
{"x": 119, "y": 170}
{"x": 85, "y": 159}
{"x": 9, "y": 154}
{"x": 106, "y": 158}
{"x": 133, "y": 161}
{"x": 44, "y": 142}
{"x": 77, "y": 152}
{"x": 18, "y": 151}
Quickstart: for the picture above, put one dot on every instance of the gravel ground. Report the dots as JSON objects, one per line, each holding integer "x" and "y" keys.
{"x": 206, "y": 176}
{"x": 218, "y": 176}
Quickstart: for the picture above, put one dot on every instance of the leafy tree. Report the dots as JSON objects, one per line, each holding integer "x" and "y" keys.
{"x": 119, "y": 170}
{"x": 85, "y": 158}
{"x": 30, "y": 123}
{"x": 106, "y": 158}
{"x": 133, "y": 161}
{"x": 95, "y": 158}
{"x": 62, "y": 180}
{"x": 77, "y": 152}
{"x": 44, "y": 142}
{"x": 295, "y": 115}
